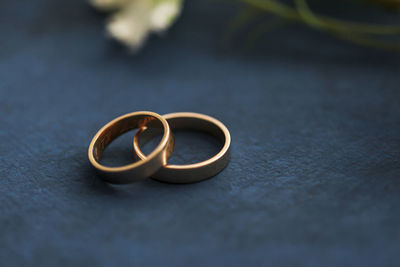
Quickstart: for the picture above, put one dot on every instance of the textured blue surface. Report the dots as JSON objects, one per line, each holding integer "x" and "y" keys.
{"x": 314, "y": 178}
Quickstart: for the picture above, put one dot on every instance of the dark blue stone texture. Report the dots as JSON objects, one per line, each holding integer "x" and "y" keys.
{"x": 314, "y": 177}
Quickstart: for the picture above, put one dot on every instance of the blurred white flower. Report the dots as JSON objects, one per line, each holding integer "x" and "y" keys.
{"x": 134, "y": 20}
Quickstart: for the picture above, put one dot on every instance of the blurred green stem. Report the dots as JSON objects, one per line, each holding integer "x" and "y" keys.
{"x": 360, "y": 33}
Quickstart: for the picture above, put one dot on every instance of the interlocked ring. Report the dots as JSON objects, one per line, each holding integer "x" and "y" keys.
{"x": 192, "y": 172}
{"x": 142, "y": 168}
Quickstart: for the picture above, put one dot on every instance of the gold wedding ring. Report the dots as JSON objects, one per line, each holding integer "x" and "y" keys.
{"x": 192, "y": 172}
{"x": 140, "y": 169}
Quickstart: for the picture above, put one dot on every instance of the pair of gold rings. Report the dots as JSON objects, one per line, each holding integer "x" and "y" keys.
{"x": 155, "y": 164}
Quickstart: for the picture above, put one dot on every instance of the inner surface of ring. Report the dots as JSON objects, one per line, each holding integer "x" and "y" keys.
{"x": 184, "y": 125}
{"x": 122, "y": 126}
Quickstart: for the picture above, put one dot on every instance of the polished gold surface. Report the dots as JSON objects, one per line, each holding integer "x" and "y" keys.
{"x": 192, "y": 172}
{"x": 142, "y": 168}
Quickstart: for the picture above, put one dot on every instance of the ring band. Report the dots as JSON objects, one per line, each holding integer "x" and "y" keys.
{"x": 140, "y": 169}
{"x": 192, "y": 172}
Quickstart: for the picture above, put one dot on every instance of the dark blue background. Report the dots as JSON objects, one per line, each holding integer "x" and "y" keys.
{"x": 314, "y": 178}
